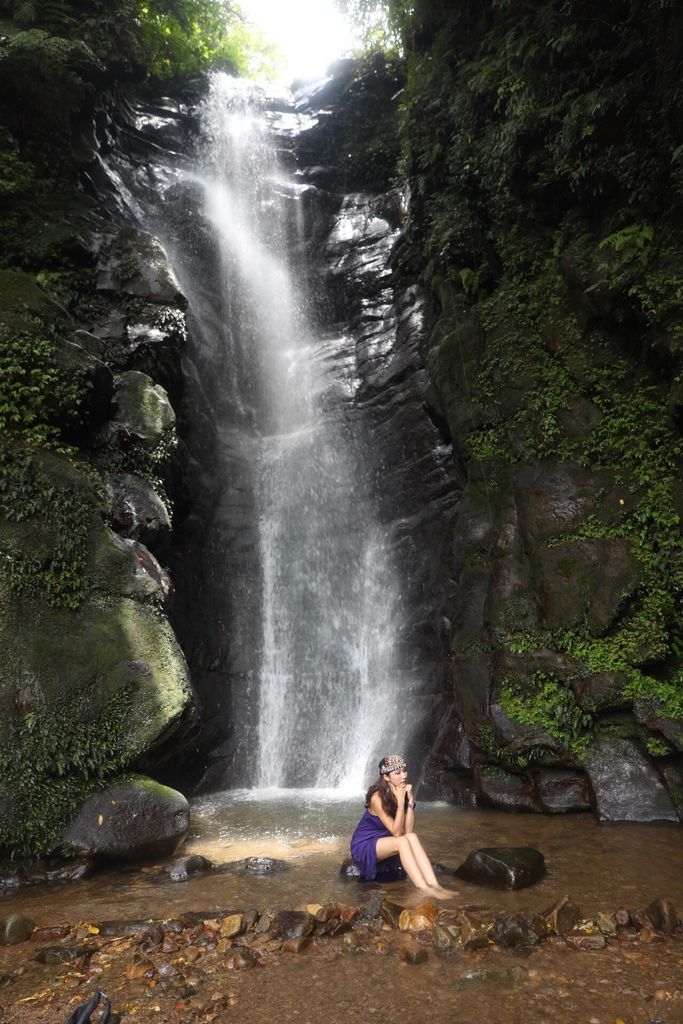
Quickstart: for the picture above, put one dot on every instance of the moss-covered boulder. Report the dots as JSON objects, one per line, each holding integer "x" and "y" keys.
{"x": 143, "y": 411}
{"x": 133, "y": 819}
{"x": 92, "y": 676}
{"x": 135, "y": 263}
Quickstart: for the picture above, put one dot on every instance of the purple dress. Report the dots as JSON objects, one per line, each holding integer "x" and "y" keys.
{"x": 364, "y": 850}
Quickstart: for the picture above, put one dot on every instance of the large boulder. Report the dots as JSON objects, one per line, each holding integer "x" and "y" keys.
{"x": 137, "y": 510}
{"x": 135, "y": 263}
{"x": 625, "y": 785}
{"x": 512, "y": 867}
{"x": 132, "y": 820}
{"x": 143, "y": 411}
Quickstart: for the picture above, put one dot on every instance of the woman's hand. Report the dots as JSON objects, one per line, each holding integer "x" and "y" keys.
{"x": 409, "y": 791}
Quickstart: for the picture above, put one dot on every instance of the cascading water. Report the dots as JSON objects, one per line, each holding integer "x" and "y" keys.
{"x": 327, "y": 701}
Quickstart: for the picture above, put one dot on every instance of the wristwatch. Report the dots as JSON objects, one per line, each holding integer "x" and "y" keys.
{"x": 412, "y": 805}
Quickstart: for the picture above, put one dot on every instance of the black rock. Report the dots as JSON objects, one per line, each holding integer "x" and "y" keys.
{"x": 254, "y": 866}
{"x": 349, "y": 870}
{"x": 662, "y": 916}
{"x": 15, "y": 928}
{"x": 518, "y": 929}
{"x": 291, "y": 924}
{"x": 186, "y": 867}
{"x": 73, "y": 869}
{"x": 503, "y": 867}
{"x": 625, "y": 784}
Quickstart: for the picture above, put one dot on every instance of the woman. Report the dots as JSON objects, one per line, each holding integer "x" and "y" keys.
{"x": 386, "y": 830}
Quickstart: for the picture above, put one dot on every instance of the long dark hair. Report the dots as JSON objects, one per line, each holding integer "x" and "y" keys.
{"x": 386, "y": 793}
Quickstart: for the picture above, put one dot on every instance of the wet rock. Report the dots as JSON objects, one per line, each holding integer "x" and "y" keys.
{"x": 585, "y": 939}
{"x": 443, "y": 938}
{"x": 56, "y": 955}
{"x": 474, "y": 934}
{"x": 49, "y": 872}
{"x": 505, "y": 975}
{"x": 516, "y": 929}
{"x": 561, "y": 791}
{"x": 95, "y": 406}
{"x": 133, "y": 820}
{"x": 291, "y": 924}
{"x": 254, "y": 866}
{"x": 673, "y": 777}
{"x": 241, "y": 960}
{"x": 137, "y": 510}
{"x": 143, "y": 411}
{"x": 230, "y": 926}
{"x": 495, "y": 786}
{"x": 135, "y": 263}
{"x": 297, "y": 945}
{"x": 349, "y": 870}
{"x": 390, "y": 913}
{"x": 15, "y": 928}
{"x": 606, "y": 924}
{"x": 412, "y": 953}
{"x": 187, "y": 867}
{"x": 250, "y": 918}
{"x": 503, "y": 867}
{"x": 625, "y": 784}
{"x": 563, "y": 916}
{"x": 622, "y": 917}
{"x": 52, "y": 934}
{"x": 370, "y": 911}
{"x": 423, "y": 915}
{"x": 662, "y": 916}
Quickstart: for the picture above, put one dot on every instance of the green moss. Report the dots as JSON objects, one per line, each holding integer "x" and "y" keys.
{"x": 657, "y": 748}
{"x": 546, "y": 703}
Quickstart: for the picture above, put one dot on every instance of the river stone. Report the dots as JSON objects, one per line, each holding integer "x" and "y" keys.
{"x": 254, "y": 866}
{"x": 136, "y": 263}
{"x": 15, "y": 928}
{"x": 41, "y": 872}
{"x": 503, "y": 867}
{"x": 563, "y": 916}
{"x": 473, "y": 932}
{"x": 133, "y": 820}
{"x": 186, "y": 867}
{"x": 291, "y": 924}
{"x": 137, "y": 510}
{"x": 143, "y": 410}
{"x": 518, "y": 928}
{"x": 585, "y": 939}
{"x": 412, "y": 953}
{"x": 414, "y": 919}
{"x": 625, "y": 784}
{"x": 663, "y": 916}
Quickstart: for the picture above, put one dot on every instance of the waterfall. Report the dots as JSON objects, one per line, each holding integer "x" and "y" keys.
{"x": 325, "y": 669}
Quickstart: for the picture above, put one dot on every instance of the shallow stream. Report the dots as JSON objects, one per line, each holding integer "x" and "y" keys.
{"x": 600, "y": 867}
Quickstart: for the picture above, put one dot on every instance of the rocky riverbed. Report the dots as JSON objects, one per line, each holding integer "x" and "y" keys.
{"x": 379, "y": 959}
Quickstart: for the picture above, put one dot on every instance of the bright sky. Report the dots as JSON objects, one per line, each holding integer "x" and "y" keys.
{"x": 310, "y": 33}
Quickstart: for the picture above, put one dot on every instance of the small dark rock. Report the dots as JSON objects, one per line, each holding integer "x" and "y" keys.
{"x": 503, "y": 867}
{"x": 585, "y": 940}
{"x": 297, "y": 945}
{"x": 518, "y": 929}
{"x": 72, "y": 870}
{"x": 562, "y": 916}
{"x": 370, "y": 911}
{"x": 56, "y": 955}
{"x": 254, "y": 866}
{"x": 622, "y": 916}
{"x": 412, "y": 953}
{"x": 662, "y": 916}
{"x": 349, "y": 869}
{"x": 15, "y": 928}
{"x": 187, "y": 867}
{"x": 292, "y": 924}
{"x": 241, "y": 960}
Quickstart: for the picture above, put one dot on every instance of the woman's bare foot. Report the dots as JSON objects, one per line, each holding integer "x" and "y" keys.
{"x": 439, "y": 893}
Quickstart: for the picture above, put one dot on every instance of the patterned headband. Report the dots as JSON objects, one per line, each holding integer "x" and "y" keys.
{"x": 391, "y": 763}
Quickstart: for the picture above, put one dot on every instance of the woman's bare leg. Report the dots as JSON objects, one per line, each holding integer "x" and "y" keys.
{"x": 389, "y": 845}
{"x": 423, "y": 861}
{"x": 425, "y": 866}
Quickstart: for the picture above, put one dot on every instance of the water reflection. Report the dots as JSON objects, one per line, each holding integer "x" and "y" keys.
{"x": 600, "y": 867}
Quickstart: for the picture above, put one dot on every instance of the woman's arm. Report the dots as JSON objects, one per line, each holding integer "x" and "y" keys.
{"x": 410, "y": 811}
{"x": 394, "y": 825}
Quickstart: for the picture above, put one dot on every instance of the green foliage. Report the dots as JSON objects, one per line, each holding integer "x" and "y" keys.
{"x": 656, "y": 748}
{"x": 168, "y": 38}
{"x": 54, "y": 758}
{"x": 35, "y": 393}
{"x": 65, "y": 514}
{"x": 546, "y": 703}
{"x": 17, "y": 177}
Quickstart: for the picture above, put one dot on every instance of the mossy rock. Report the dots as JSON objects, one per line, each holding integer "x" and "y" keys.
{"x": 22, "y": 299}
{"x": 92, "y": 675}
{"x": 143, "y": 409}
{"x": 136, "y": 264}
{"x": 132, "y": 819}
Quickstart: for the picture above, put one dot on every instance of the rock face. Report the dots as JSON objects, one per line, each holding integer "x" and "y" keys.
{"x": 625, "y": 784}
{"x": 503, "y": 868}
{"x": 134, "y": 820}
